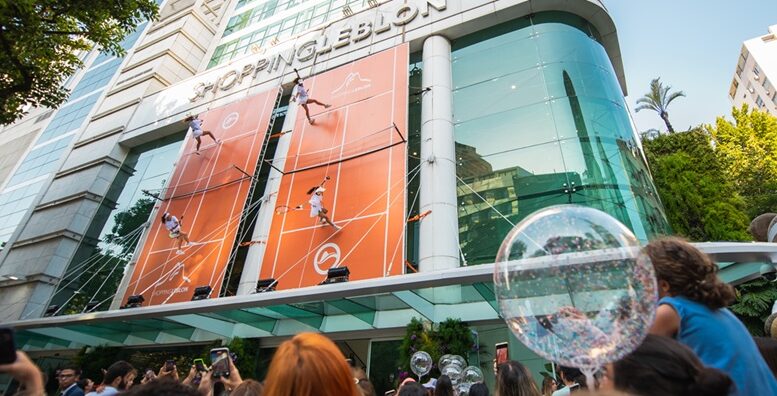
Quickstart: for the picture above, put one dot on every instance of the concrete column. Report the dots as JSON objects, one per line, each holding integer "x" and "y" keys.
{"x": 439, "y": 234}
{"x": 253, "y": 263}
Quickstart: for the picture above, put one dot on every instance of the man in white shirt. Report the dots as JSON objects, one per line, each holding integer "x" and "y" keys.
{"x": 118, "y": 378}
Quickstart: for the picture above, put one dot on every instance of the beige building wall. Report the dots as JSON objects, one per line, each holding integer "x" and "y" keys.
{"x": 755, "y": 78}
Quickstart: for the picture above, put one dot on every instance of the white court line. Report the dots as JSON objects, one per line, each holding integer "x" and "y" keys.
{"x": 327, "y": 225}
{"x": 191, "y": 244}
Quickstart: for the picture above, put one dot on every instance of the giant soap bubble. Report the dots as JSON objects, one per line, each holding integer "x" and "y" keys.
{"x": 573, "y": 287}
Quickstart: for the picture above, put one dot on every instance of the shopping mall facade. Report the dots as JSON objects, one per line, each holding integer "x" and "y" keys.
{"x": 472, "y": 113}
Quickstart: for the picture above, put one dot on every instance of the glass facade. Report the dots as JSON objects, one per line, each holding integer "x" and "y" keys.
{"x": 45, "y": 156}
{"x": 309, "y": 14}
{"x": 540, "y": 120}
{"x": 98, "y": 265}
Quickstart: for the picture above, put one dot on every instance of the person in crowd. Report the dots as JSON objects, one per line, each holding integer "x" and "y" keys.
{"x": 513, "y": 379}
{"x": 118, "y": 378}
{"x": 444, "y": 386}
{"x": 68, "y": 378}
{"x": 86, "y": 384}
{"x": 248, "y": 387}
{"x": 692, "y": 309}
{"x": 478, "y": 389}
{"x": 309, "y": 365}
{"x": 301, "y": 95}
{"x": 768, "y": 348}
{"x": 663, "y": 366}
{"x": 173, "y": 226}
{"x": 573, "y": 379}
{"x": 210, "y": 386}
{"x": 195, "y": 124}
{"x": 361, "y": 379}
{"x": 164, "y": 386}
{"x": 548, "y": 386}
{"x": 412, "y": 389}
{"x": 26, "y": 373}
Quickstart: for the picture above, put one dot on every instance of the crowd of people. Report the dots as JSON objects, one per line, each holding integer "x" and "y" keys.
{"x": 695, "y": 347}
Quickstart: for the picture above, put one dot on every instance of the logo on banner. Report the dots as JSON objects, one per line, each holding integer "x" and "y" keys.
{"x": 230, "y": 120}
{"x": 178, "y": 269}
{"x": 327, "y": 253}
{"x": 353, "y": 83}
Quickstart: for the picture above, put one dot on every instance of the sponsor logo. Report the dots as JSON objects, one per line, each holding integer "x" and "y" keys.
{"x": 327, "y": 256}
{"x": 353, "y": 83}
{"x": 230, "y": 120}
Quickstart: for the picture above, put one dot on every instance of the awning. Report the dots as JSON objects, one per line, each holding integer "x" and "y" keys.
{"x": 385, "y": 303}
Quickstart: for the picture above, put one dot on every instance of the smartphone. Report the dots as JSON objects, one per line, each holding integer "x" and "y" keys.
{"x": 199, "y": 365}
{"x": 390, "y": 393}
{"x": 501, "y": 353}
{"x": 150, "y": 374}
{"x": 219, "y": 362}
{"x": 7, "y": 346}
{"x": 170, "y": 365}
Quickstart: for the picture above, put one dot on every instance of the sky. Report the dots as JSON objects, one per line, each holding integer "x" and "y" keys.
{"x": 693, "y": 45}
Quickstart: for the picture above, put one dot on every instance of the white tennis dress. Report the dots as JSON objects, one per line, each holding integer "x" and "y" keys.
{"x": 173, "y": 226}
{"x": 196, "y": 126}
{"x": 301, "y": 94}
{"x": 315, "y": 205}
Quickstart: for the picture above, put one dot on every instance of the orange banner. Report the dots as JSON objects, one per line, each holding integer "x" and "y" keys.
{"x": 207, "y": 193}
{"x": 358, "y": 143}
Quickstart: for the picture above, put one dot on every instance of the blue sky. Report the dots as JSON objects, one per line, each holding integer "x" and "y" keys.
{"x": 692, "y": 45}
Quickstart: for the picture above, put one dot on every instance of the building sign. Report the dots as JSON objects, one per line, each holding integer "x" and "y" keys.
{"x": 334, "y": 39}
{"x": 355, "y": 144}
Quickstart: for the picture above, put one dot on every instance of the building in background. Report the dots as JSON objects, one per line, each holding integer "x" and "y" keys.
{"x": 755, "y": 78}
{"x": 481, "y": 112}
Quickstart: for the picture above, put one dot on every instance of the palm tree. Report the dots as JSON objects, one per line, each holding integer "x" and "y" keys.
{"x": 658, "y": 100}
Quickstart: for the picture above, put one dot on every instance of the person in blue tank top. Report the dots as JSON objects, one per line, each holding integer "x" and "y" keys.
{"x": 692, "y": 309}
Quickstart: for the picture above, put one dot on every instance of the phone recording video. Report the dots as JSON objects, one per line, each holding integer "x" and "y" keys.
{"x": 219, "y": 362}
{"x": 169, "y": 365}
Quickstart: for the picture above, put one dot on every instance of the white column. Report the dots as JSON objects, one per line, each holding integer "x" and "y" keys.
{"x": 439, "y": 234}
{"x": 253, "y": 263}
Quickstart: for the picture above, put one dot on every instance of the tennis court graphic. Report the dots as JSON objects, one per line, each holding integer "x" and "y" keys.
{"x": 207, "y": 192}
{"x": 359, "y": 144}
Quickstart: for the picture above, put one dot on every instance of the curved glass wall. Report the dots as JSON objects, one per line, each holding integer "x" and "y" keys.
{"x": 540, "y": 120}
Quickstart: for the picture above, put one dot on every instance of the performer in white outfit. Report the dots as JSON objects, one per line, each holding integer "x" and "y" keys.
{"x": 174, "y": 227}
{"x": 196, "y": 125}
{"x": 300, "y": 94}
{"x": 317, "y": 207}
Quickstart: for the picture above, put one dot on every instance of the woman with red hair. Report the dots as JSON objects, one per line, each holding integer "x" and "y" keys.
{"x": 309, "y": 365}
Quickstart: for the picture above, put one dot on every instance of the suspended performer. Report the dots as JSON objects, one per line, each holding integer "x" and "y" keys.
{"x": 174, "y": 227}
{"x": 300, "y": 94}
{"x": 196, "y": 125}
{"x": 317, "y": 206}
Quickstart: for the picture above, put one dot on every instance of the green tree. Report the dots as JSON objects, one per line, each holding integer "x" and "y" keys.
{"x": 658, "y": 100}
{"x": 41, "y": 42}
{"x": 700, "y": 202}
{"x": 747, "y": 148}
{"x": 754, "y": 304}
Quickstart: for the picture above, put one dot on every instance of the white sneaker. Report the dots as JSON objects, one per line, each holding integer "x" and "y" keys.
{"x": 179, "y": 252}
{"x": 337, "y": 228}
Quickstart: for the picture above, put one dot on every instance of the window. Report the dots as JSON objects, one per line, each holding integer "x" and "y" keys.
{"x": 756, "y": 72}
{"x": 759, "y": 102}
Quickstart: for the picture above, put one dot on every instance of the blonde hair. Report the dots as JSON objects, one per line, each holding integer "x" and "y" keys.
{"x": 309, "y": 365}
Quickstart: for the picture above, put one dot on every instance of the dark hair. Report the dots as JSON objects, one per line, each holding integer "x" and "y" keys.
{"x": 689, "y": 272}
{"x": 444, "y": 386}
{"x": 162, "y": 387}
{"x": 573, "y": 374}
{"x": 248, "y": 387}
{"x": 478, "y": 389}
{"x": 663, "y": 366}
{"x": 117, "y": 370}
{"x": 513, "y": 379}
{"x": 297, "y": 80}
{"x": 76, "y": 370}
{"x": 768, "y": 348}
{"x": 412, "y": 389}
{"x": 163, "y": 217}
